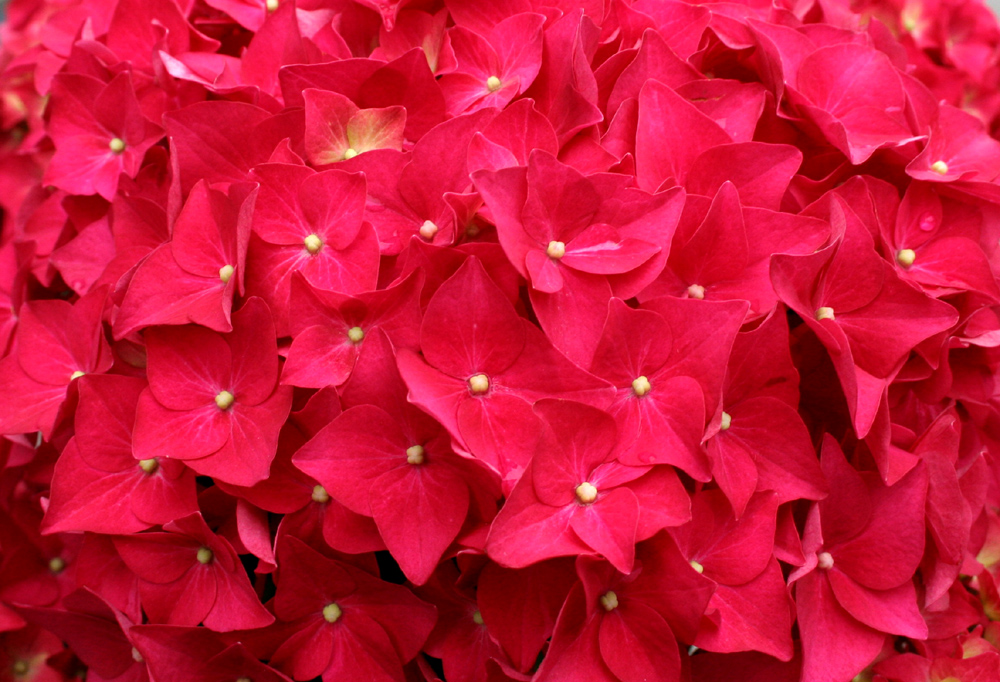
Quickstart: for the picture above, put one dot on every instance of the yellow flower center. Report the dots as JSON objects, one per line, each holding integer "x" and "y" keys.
{"x": 641, "y": 386}
{"x": 226, "y": 273}
{"x": 905, "y": 257}
{"x": 332, "y": 613}
{"x": 117, "y": 145}
{"x": 697, "y": 566}
{"x": 56, "y": 565}
{"x": 824, "y": 313}
{"x": 356, "y": 334}
{"x": 20, "y": 667}
{"x": 824, "y": 560}
{"x": 428, "y": 230}
{"x": 224, "y": 400}
{"x": 271, "y": 5}
{"x": 477, "y": 618}
{"x": 609, "y": 601}
{"x": 493, "y": 83}
{"x": 415, "y": 454}
{"x": 313, "y": 243}
{"x": 726, "y": 422}
{"x": 349, "y": 153}
{"x": 479, "y": 383}
{"x": 586, "y": 492}
{"x": 136, "y": 656}
{"x": 76, "y": 375}
{"x": 204, "y": 555}
{"x": 940, "y": 167}
{"x": 149, "y": 465}
{"x": 320, "y": 495}
{"x": 696, "y": 291}
{"x": 556, "y": 250}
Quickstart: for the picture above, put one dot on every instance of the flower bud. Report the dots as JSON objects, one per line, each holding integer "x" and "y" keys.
{"x": 224, "y": 400}
{"x": 479, "y": 383}
{"x": 428, "y": 230}
{"x": 415, "y": 454}
{"x": 641, "y": 386}
{"x": 586, "y": 492}
{"x": 332, "y": 613}
{"x": 313, "y": 243}
{"x": 609, "y": 601}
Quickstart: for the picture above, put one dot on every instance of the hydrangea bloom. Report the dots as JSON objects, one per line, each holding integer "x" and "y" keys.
{"x": 499, "y": 341}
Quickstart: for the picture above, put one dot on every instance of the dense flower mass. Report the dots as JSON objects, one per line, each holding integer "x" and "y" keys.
{"x": 499, "y": 341}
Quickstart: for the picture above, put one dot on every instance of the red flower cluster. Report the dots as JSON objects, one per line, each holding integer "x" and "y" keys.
{"x": 499, "y": 340}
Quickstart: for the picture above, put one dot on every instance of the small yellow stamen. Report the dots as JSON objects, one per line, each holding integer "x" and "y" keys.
{"x": 609, "y": 601}
{"x": 117, "y": 145}
{"x": 76, "y": 375}
{"x": 149, "y": 465}
{"x": 224, "y": 400}
{"x": 727, "y": 421}
{"x": 56, "y": 565}
{"x": 493, "y": 83}
{"x": 226, "y": 273}
{"x": 586, "y": 492}
{"x": 272, "y": 5}
{"x": 696, "y": 566}
{"x": 824, "y": 313}
{"x": 356, "y": 334}
{"x": 641, "y": 386}
{"x": 905, "y": 257}
{"x": 696, "y": 291}
{"x": 20, "y": 668}
{"x": 415, "y": 454}
{"x": 940, "y": 167}
{"x": 479, "y": 383}
{"x": 332, "y": 613}
{"x": 204, "y": 555}
{"x": 136, "y": 656}
{"x": 824, "y": 560}
{"x": 320, "y": 495}
{"x": 349, "y": 153}
{"x": 313, "y": 243}
{"x": 556, "y": 250}
{"x": 428, "y": 230}
{"x": 477, "y": 618}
